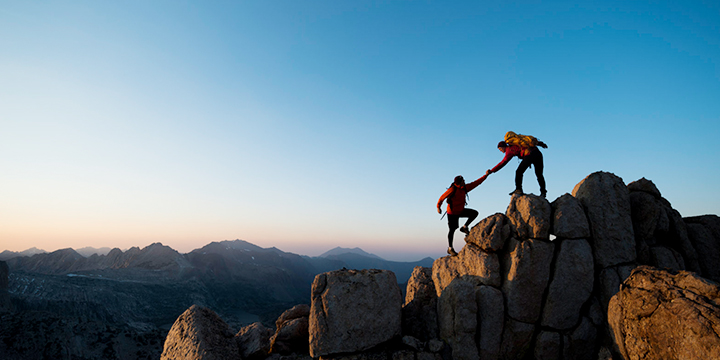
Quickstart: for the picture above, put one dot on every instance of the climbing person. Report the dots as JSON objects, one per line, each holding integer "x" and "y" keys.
{"x": 455, "y": 196}
{"x": 524, "y": 147}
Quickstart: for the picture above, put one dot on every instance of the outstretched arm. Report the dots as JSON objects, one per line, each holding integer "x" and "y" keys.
{"x": 508, "y": 155}
{"x": 475, "y": 183}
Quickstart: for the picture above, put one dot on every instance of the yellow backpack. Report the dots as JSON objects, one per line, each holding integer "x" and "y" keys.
{"x": 524, "y": 141}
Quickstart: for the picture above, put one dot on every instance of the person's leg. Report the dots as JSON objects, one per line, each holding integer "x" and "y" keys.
{"x": 453, "y": 224}
{"x": 537, "y": 162}
{"x": 524, "y": 164}
{"x": 470, "y": 214}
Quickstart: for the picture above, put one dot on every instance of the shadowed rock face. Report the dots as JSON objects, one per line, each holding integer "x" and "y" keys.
{"x": 292, "y": 334}
{"x": 419, "y": 314}
{"x": 662, "y": 315}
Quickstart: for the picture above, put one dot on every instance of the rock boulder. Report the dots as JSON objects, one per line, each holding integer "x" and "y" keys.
{"x": 199, "y": 333}
{"x": 292, "y": 334}
{"x": 569, "y": 220}
{"x": 419, "y": 314}
{"x": 530, "y": 216}
{"x": 526, "y": 275}
{"x": 571, "y": 286}
{"x": 606, "y": 201}
{"x": 353, "y": 310}
{"x": 663, "y": 315}
{"x": 482, "y": 266}
{"x": 490, "y": 233}
{"x": 254, "y": 341}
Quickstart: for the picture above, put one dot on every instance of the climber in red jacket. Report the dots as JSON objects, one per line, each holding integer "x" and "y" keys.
{"x": 456, "y": 209}
{"x": 529, "y": 156}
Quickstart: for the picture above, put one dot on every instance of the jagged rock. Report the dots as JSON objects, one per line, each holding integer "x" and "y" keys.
{"x": 530, "y": 216}
{"x": 419, "y": 314}
{"x": 353, "y": 310}
{"x": 254, "y": 341}
{"x": 483, "y": 267}
{"x": 569, "y": 220}
{"x": 604, "y": 354}
{"x": 679, "y": 240}
{"x": 490, "y": 233}
{"x": 646, "y": 186}
{"x": 292, "y": 334}
{"x": 517, "y": 339}
{"x": 666, "y": 315}
{"x": 413, "y": 342}
{"x": 457, "y": 319}
{"x": 606, "y": 201}
{"x": 581, "y": 343}
{"x": 526, "y": 274}
{"x": 199, "y": 333}
{"x": 595, "y": 312}
{"x": 435, "y": 345}
{"x": 571, "y": 286}
{"x": 610, "y": 280}
{"x": 708, "y": 249}
{"x": 491, "y": 318}
{"x": 547, "y": 346}
{"x": 646, "y": 212}
{"x": 711, "y": 222}
{"x": 667, "y": 258}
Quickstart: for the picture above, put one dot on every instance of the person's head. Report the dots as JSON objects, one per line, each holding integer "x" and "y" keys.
{"x": 459, "y": 181}
{"x": 502, "y": 146}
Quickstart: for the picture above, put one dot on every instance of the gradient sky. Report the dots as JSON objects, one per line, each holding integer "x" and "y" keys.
{"x": 308, "y": 125}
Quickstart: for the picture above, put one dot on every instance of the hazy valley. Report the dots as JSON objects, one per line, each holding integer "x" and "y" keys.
{"x": 122, "y": 303}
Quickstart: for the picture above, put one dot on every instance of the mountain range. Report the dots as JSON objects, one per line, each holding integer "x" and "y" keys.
{"x": 132, "y": 297}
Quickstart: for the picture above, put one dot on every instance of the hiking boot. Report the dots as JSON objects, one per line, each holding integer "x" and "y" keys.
{"x": 543, "y": 194}
{"x": 451, "y": 251}
{"x": 516, "y": 192}
{"x": 464, "y": 229}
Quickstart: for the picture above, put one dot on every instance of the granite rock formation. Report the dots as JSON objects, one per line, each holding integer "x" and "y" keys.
{"x": 199, "y": 333}
{"x": 353, "y": 310}
{"x": 666, "y": 315}
{"x": 599, "y": 274}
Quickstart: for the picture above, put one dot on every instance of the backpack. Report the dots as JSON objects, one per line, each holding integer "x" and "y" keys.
{"x": 452, "y": 193}
{"x": 524, "y": 141}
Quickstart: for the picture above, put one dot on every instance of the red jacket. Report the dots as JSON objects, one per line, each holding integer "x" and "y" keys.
{"x": 510, "y": 151}
{"x": 456, "y": 204}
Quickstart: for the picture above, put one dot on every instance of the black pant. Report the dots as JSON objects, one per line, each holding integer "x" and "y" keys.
{"x": 536, "y": 159}
{"x": 454, "y": 222}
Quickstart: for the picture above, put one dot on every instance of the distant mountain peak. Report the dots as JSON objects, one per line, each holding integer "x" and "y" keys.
{"x": 341, "y": 250}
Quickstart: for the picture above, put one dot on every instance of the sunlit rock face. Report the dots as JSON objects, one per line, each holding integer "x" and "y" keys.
{"x": 662, "y": 315}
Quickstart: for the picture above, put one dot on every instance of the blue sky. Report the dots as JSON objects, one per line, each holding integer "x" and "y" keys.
{"x": 307, "y": 125}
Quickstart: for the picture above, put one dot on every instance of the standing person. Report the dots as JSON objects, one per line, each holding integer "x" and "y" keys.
{"x": 456, "y": 209}
{"x": 530, "y": 155}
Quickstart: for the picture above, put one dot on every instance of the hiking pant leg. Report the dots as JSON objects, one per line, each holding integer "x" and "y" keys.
{"x": 538, "y": 164}
{"x": 453, "y": 224}
{"x": 471, "y": 214}
{"x": 524, "y": 165}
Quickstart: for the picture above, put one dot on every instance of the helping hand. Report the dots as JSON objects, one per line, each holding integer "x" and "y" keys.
{"x": 439, "y": 211}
